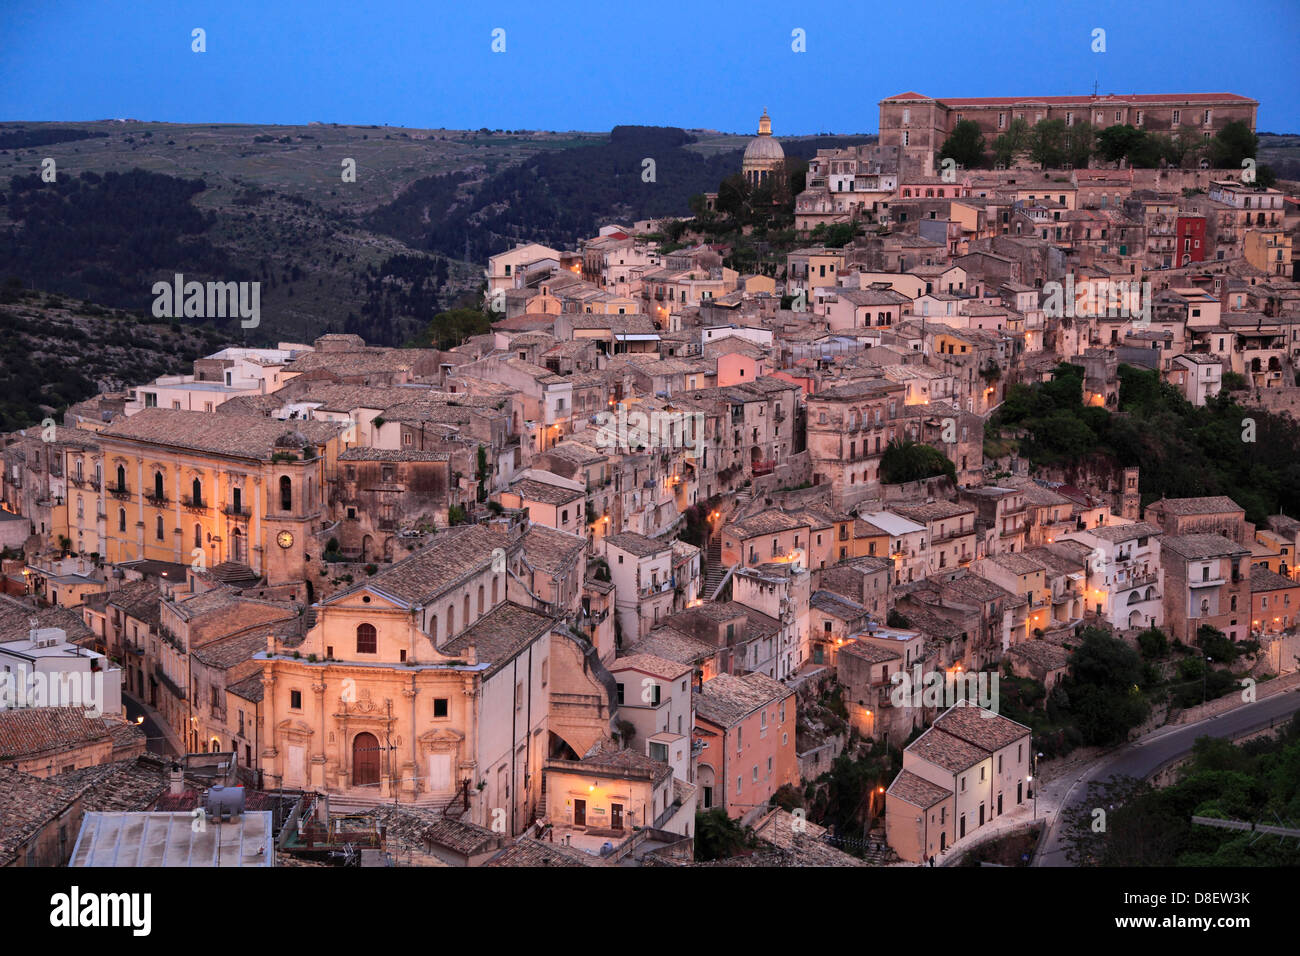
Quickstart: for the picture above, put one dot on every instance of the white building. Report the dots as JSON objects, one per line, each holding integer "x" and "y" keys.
{"x": 641, "y": 570}
{"x": 47, "y": 671}
{"x": 781, "y": 591}
{"x": 1124, "y": 578}
{"x": 656, "y": 697}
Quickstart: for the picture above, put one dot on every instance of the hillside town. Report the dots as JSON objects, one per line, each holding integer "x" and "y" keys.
{"x": 674, "y": 550}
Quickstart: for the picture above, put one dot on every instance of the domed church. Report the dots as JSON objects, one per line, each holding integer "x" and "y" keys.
{"x": 764, "y": 158}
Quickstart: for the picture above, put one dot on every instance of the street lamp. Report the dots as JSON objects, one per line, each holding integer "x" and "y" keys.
{"x": 1033, "y": 791}
{"x": 1204, "y": 673}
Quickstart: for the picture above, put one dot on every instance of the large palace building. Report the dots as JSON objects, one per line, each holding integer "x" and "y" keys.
{"x": 918, "y": 125}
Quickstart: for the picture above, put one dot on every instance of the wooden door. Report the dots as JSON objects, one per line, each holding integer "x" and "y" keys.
{"x": 616, "y": 816}
{"x": 365, "y": 760}
{"x": 580, "y": 813}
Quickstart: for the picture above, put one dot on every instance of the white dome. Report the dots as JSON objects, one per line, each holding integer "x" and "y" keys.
{"x": 763, "y": 149}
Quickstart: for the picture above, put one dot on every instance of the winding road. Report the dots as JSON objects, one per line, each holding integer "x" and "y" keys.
{"x": 1144, "y": 756}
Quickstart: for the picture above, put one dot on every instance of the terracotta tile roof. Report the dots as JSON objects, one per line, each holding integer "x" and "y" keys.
{"x": 235, "y": 436}
{"x": 127, "y": 785}
{"x": 27, "y": 804}
{"x": 771, "y": 521}
{"x": 1262, "y": 579}
{"x": 674, "y": 645}
{"x": 973, "y": 725}
{"x": 1195, "y": 547}
{"x": 945, "y": 750}
{"x": 250, "y": 688}
{"x": 637, "y": 544}
{"x": 727, "y": 700}
{"x": 805, "y": 843}
{"x": 1041, "y": 654}
{"x": 870, "y": 653}
{"x": 391, "y": 454}
{"x": 499, "y": 635}
{"x": 551, "y": 550}
{"x": 529, "y": 852}
{"x": 31, "y": 731}
{"x": 917, "y": 791}
{"x": 933, "y": 511}
{"x": 15, "y": 621}
{"x": 544, "y": 492}
{"x": 453, "y": 554}
{"x": 1196, "y": 506}
{"x": 650, "y": 664}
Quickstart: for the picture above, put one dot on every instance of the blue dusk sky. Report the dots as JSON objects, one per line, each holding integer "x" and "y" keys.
{"x": 589, "y": 66}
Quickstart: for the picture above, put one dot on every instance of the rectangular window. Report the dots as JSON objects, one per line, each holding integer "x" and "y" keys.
{"x": 295, "y": 700}
{"x": 440, "y": 708}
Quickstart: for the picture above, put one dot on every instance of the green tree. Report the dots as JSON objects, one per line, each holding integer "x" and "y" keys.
{"x": 912, "y": 461}
{"x": 1047, "y": 143}
{"x": 1235, "y": 142}
{"x": 1082, "y": 142}
{"x": 965, "y": 145}
{"x": 733, "y": 197}
{"x": 452, "y": 328}
{"x": 1105, "y": 698}
{"x": 1118, "y": 142}
{"x": 718, "y": 837}
{"x": 1014, "y": 140}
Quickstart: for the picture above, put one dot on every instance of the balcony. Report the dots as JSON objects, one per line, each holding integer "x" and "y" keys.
{"x": 235, "y": 511}
{"x": 157, "y": 501}
{"x": 193, "y": 504}
{"x": 651, "y": 590}
{"x": 120, "y": 492}
{"x": 1125, "y": 582}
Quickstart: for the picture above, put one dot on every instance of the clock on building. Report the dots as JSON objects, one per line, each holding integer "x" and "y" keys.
{"x": 284, "y": 539}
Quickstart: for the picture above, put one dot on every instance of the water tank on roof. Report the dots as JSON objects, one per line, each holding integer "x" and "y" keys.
{"x": 225, "y": 803}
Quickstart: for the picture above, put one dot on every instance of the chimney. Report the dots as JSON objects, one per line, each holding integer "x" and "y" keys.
{"x": 471, "y": 654}
{"x": 176, "y": 781}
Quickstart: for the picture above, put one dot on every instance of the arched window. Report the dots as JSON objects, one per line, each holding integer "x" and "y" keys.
{"x": 236, "y": 545}
{"x": 198, "y": 536}
{"x": 158, "y": 529}
{"x": 480, "y": 600}
{"x": 80, "y": 507}
{"x": 433, "y": 627}
{"x": 286, "y": 493}
{"x": 494, "y": 591}
{"x": 121, "y": 478}
{"x": 451, "y": 619}
{"x": 467, "y": 610}
{"x": 158, "y": 485}
{"x": 198, "y": 491}
{"x": 367, "y": 639}
{"x": 121, "y": 519}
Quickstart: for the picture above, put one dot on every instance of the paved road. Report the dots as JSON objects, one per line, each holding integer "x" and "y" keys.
{"x": 1146, "y": 755}
{"x": 157, "y": 742}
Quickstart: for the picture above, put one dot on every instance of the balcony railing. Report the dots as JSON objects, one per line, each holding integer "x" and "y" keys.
{"x": 121, "y": 492}
{"x": 652, "y": 589}
{"x": 236, "y": 511}
{"x": 194, "y": 504}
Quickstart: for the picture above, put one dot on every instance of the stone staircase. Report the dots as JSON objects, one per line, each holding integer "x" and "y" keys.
{"x": 715, "y": 570}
